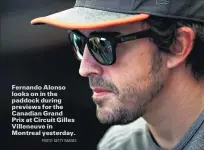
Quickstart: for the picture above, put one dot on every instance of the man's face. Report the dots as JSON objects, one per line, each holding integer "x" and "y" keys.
{"x": 123, "y": 91}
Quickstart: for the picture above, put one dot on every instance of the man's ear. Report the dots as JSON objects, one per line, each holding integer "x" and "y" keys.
{"x": 181, "y": 47}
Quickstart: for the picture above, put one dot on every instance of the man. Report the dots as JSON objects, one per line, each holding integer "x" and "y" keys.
{"x": 151, "y": 84}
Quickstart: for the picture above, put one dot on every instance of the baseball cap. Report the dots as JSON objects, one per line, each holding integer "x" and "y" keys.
{"x": 90, "y": 14}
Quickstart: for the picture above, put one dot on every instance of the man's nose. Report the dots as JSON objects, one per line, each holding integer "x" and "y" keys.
{"x": 89, "y": 65}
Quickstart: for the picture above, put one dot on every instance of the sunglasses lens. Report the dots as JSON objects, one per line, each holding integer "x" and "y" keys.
{"x": 101, "y": 50}
{"x": 78, "y": 45}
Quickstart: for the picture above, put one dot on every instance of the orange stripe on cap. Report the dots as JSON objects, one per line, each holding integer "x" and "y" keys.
{"x": 69, "y": 25}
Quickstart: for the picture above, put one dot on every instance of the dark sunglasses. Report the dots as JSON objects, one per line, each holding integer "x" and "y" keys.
{"x": 102, "y": 45}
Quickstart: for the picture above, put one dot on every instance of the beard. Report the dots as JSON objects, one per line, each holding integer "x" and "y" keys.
{"x": 131, "y": 102}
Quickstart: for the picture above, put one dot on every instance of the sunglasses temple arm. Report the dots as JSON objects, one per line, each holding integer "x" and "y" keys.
{"x": 134, "y": 36}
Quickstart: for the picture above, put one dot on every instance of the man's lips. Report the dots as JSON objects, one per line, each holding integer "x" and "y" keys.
{"x": 100, "y": 91}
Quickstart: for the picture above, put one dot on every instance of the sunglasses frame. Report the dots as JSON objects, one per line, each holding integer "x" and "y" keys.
{"x": 112, "y": 37}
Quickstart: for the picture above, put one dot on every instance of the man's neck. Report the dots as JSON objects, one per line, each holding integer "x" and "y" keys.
{"x": 172, "y": 113}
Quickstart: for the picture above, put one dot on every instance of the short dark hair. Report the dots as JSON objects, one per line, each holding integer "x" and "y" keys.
{"x": 165, "y": 31}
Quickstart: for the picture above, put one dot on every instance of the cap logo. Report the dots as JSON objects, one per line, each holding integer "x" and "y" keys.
{"x": 162, "y": 2}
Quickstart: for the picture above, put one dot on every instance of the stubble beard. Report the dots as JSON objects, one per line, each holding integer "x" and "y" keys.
{"x": 139, "y": 97}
